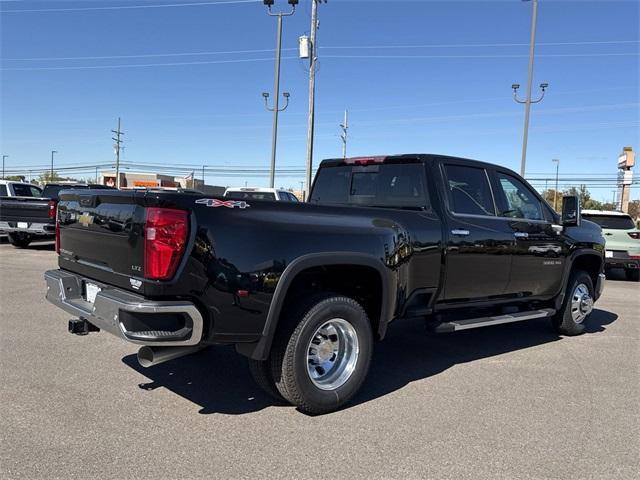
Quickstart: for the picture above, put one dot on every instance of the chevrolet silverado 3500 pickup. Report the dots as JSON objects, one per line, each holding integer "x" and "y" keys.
{"x": 304, "y": 289}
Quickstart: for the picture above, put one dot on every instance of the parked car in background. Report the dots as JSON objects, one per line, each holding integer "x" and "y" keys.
{"x": 622, "y": 238}
{"x": 27, "y": 217}
{"x": 10, "y": 188}
{"x": 250, "y": 193}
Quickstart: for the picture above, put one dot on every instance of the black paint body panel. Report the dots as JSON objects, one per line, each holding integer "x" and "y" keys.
{"x": 259, "y": 249}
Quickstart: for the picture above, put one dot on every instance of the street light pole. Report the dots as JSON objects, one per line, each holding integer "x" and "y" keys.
{"x": 53, "y": 152}
{"x": 3, "y": 157}
{"x": 527, "y": 102}
{"x": 312, "y": 91}
{"x": 555, "y": 192}
{"x": 276, "y": 85}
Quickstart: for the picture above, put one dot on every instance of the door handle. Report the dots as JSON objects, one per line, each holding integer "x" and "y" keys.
{"x": 521, "y": 235}
{"x": 460, "y": 232}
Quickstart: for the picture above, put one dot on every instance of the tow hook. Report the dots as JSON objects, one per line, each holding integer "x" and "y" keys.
{"x": 81, "y": 326}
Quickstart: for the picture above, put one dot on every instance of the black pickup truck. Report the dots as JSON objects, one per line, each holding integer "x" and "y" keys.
{"x": 303, "y": 290}
{"x": 27, "y": 217}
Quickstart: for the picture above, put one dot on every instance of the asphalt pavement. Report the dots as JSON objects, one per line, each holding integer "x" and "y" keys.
{"x": 512, "y": 401}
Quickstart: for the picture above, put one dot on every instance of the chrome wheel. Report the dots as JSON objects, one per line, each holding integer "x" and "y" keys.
{"x": 332, "y": 354}
{"x": 581, "y": 303}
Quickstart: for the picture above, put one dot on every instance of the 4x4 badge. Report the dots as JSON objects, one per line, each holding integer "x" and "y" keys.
{"x": 215, "y": 203}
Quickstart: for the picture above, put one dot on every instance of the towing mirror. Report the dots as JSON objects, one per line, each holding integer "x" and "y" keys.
{"x": 571, "y": 211}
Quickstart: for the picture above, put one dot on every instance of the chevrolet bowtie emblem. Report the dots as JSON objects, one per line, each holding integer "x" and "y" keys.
{"x": 85, "y": 219}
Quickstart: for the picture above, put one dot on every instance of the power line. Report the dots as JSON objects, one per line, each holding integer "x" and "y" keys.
{"x": 335, "y": 47}
{"x": 130, "y": 7}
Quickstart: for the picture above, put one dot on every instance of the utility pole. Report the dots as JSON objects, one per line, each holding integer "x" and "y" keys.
{"x": 555, "y": 192}
{"x": 117, "y": 147}
{"x": 527, "y": 102}
{"x": 276, "y": 85}
{"x": 3, "y": 157}
{"x": 203, "y": 182}
{"x": 312, "y": 91}
{"x": 96, "y": 175}
{"x": 53, "y": 152}
{"x": 345, "y": 132}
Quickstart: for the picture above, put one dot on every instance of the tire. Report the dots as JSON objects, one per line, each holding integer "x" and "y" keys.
{"x": 576, "y": 306}
{"x": 322, "y": 353}
{"x": 632, "y": 275}
{"x": 261, "y": 373}
{"x": 19, "y": 239}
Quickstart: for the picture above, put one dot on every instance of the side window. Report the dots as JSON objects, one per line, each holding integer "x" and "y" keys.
{"x": 469, "y": 191}
{"x": 3, "y": 191}
{"x": 292, "y": 197}
{"x": 283, "y": 196}
{"x": 519, "y": 200}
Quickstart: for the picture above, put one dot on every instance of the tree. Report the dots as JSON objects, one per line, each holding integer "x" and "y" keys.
{"x": 48, "y": 177}
{"x": 634, "y": 209}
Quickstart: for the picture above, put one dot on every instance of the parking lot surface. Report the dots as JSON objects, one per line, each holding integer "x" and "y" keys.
{"x": 511, "y": 401}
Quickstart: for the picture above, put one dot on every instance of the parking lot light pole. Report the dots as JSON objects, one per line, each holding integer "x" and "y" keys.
{"x": 53, "y": 152}
{"x": 3, "y": 157}
{"x": 276, "y": 87}
{"x": 555, "y": 192}
{"x": 527, "y": 102}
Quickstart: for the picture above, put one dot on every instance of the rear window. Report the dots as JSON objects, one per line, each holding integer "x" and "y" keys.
{"x": 613, "y": 222}
{"x": 3, "y": 190}
{"x": 25, "y": 190}
{"x": 387, "y": 185}
{"x": 250, "y": 195}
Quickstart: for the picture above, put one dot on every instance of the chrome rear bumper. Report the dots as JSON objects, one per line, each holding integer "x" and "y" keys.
{"x": 33, "y": 228}
{"x": 126, "y": 315}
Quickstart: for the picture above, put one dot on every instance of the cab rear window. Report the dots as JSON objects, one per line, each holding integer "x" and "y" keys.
{"x": 386, "y": 185}
{"x": 25, "y": 190}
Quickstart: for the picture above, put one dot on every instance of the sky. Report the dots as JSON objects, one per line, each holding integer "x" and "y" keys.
{"x": 416, "y": 76}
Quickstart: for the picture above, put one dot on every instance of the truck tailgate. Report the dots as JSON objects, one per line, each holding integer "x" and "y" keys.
{"x": 24, "y": 209}
{"x": 101, "y": 235}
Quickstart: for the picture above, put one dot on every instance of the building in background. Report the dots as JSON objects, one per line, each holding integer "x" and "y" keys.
{"x": 626, "y": 162}
{"x": 131, "y": 180}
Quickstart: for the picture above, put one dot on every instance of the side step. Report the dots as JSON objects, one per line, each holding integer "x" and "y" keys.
{"x": 458, "y": 325}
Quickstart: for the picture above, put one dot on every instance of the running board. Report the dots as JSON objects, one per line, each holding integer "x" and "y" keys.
{"x": 458, "y": 325}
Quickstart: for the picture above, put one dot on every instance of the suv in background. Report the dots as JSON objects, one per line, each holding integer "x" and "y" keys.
{"x": 250, "y": 193}
{"x": 623, "y": 240}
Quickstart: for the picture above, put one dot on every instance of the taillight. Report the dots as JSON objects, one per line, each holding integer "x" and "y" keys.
{"x": 52, "y": 208}
{"x": 57, "y": 236}
{"x": 634, "y": 235}
{"x": 165, "y": 237}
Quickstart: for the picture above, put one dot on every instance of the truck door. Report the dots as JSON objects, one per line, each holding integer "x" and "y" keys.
{"x": 540, "y": 251}
{"x": 479, "y": 244}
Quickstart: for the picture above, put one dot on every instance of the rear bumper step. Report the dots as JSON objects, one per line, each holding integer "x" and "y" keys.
{"x": 497, "y": 320}
{"x": 126, "y": 315}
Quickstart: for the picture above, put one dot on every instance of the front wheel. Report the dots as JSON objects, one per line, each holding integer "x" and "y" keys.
{"x": 19, "y": 239}
{"x": 577, "y": 305}
{"x": 322, "y": 354}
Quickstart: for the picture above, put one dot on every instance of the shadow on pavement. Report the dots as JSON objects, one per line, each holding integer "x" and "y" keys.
{"x": 218, "y": 379}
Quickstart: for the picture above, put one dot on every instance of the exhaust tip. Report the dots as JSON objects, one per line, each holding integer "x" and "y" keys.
{"x": 145, "y": 356}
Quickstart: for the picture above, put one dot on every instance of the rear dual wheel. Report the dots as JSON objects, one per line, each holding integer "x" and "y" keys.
{"x": 320, "y": 356}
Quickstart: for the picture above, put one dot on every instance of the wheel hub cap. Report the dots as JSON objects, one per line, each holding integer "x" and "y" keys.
{"x": 581, "y": 303}
{"x": 332, "y": 354}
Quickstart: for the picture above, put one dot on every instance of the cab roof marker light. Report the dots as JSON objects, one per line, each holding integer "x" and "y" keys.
{"x": 365, "y": 160}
